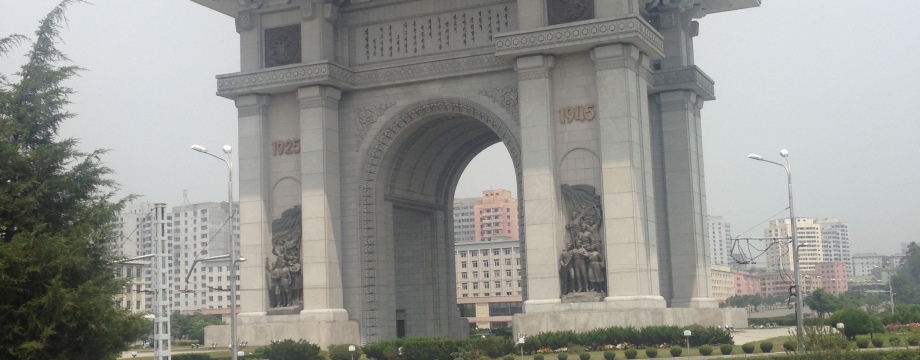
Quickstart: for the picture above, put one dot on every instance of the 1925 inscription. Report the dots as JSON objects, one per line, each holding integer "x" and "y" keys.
{"x": 576, "y": 113}
{"x": 285, "y": 147}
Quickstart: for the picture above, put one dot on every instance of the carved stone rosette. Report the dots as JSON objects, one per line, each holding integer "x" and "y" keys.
{"x": 581, "y": 264}
{"x": 285, "y": 272}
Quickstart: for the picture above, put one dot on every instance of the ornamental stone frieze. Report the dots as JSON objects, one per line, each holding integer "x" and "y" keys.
{"x": 581, "y": 36}
{"x": 684, "y": 78}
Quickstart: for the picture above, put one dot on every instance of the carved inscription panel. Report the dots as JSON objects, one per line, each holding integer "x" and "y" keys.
{"x": 437, "y": 33}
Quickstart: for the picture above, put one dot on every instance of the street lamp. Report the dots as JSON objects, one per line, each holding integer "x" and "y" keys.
{"x": 799, "y": 316}
{"x": 227, "y": 150}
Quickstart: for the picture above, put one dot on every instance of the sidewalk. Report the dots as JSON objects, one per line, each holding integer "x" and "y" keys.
{"x": 747, "y": 335}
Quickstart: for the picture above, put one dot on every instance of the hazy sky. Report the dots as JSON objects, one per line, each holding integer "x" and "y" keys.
{"x": 834, "y": 82}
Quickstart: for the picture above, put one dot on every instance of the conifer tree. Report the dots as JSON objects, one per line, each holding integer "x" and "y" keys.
{"x": 57, "y": 209}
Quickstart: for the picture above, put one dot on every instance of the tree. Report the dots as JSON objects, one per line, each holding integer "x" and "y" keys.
{"x": 904, "y": 283}
{"x": 822, "y": 302}
{"x": 856, "y": 322}
{"x": 191, "y": 326}
{"x": 853, "y": 299}
{"x": 56, "y": 219}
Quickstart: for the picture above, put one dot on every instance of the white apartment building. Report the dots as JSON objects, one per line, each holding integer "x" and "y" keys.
{"x": 193, "y": 231}
{"x": 835, "y": 239}
{"x": 200, "y": 231}
{"x": 488, "y": 281}
{"x": 465, "y": 219}
{"x": 722, "y": 282}
{"x": 719, "y": 241}
{"x": 823, "y": 240}
{"x": 863, "y": 263}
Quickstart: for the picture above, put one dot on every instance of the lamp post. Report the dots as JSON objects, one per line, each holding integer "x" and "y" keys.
{"x": 799, "y": 316}
{"x": 233, "y": 258}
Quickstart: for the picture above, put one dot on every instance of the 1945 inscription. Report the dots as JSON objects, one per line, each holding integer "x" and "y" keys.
{"x": 285, "y": 147}
{"x": 576, "y": 113}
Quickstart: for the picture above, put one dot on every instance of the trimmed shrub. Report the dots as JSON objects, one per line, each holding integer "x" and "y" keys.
{"x": 790, "y": 345}
{"x": 705, "y": 350}
{"x": 608, "y": 355}
{"x": 538, "y": 357}
{"x": 877, "y": 342}
{"x": 582, "y": 356}
{"x": 913, "y": 341}
{"x": 726, "y": 349}
{"x": 766, "y": 346}
{"x": 433, "y": 348}
{"x": 191, "y": 357}
{"x": 862, "y": 343}
{"x": 651, "y": 352}
{"x": 483, "y": 357}
{"x": 676, "y": 351}
{"x": 508, "y": 357}
{"x": 340, "y": 352}
{"x": 748, "y": 348}
{"x": 492, "y": 346}
{"x": 290, "y": 350}
{"x": 562, "y": 356}
{"x": 631, "y": 353}
{"x": 894, "y": 341}
{"x": 858, "y": 322}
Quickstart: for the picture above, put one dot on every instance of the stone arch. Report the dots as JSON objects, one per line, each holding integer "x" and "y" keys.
{"x": 580, "y": 166}
{"x": 372, "y": 167}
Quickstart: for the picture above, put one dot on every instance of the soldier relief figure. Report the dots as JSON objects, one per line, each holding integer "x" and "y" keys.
{"x": 285, "y": 277}
{"x": 581, "y": 264}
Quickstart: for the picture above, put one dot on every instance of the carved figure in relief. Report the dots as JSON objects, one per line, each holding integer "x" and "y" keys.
{"x": 285, "y": 275}
{"x": 566, "y": 274}
{"x": 596, "y": 269}
{"x": 582, "y": 266}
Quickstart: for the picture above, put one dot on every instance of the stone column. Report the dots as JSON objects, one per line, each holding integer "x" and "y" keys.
{"x": 321, "y": 203}
{"x": 628, "y": 196}
{"x": 685, "y": 188}
{"x": 541, "y": 206}
{"x": 255, "y": 201}
{"x": 680, "y": 104}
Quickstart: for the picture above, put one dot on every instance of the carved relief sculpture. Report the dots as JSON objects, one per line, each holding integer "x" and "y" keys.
{"x": 284, "y": 273}
{"x": 581, "y": 264}
{"x": 565, "y": 11}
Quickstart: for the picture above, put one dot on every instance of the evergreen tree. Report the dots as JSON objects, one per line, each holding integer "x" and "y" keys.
{"x": 56, "y": 219}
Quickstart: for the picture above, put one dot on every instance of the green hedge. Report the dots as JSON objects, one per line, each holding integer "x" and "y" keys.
{"x": 651, "y": 336}
{"x": 191, "y": 357}
{"x": 846, "y": 355}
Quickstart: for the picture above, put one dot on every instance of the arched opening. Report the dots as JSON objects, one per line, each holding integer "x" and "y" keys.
{"x": 406, "y": 193}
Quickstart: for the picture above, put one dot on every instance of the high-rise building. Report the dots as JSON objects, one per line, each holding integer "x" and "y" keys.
{"x": 465, "y": 220}
{"x": 199, "y": 232}
{"x": 835, "y": 239}
{"x": 720, "y": 241}
{"x": 824, "y": 240}
{"x": 722, "y": 284}
{"x": 494, "y": 215}
{"x": 194, "y": 232}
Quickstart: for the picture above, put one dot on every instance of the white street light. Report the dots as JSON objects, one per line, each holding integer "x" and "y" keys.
{"x": 227, "y": 150}
{"x": 799, "y": 316}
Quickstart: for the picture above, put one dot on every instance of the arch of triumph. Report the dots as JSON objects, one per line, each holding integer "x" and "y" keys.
{"x": 356, "y": 119}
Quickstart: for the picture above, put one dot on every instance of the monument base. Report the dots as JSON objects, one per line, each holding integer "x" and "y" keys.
{"x": 261, "y": 330}
{"x": 582, "y": 317}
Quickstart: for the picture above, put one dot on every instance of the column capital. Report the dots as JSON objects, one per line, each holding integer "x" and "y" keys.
{"x": 618, "y": 56}
{"x": 252, "y": 104}
{"x": 534, "y": 67}
{"x": 319, "y": 96}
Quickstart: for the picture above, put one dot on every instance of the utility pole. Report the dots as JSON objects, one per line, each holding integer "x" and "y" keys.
{"x": 161, "y": 285}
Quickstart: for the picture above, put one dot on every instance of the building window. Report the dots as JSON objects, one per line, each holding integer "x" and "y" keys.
{"x": 475, "y": 264}
{"x": 463, "y": 264}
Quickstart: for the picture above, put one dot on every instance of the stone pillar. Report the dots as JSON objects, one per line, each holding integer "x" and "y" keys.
{"x": 317, "y": 30}
{"x": 683, "y": 159}
{"x": 628, "y": 196}
{"x": 616, "y": 8}
{"x": 541, "y": 206}
{"x": 321, "y": 203}
{"x": 531, "y": 14}
{"x": 684, "y": 188}
{"x": 255, "y": 201}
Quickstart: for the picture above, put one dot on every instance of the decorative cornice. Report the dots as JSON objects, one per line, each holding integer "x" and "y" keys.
{"x": 429, "y": 70}
{"x": 685, "y": 78}
{"x": 506, "y": 98}
{"x": 286, "y": 78}
{"x": 366, "y": 116}
{"x": 567, "y": 38}
{"x": 244, "y": 21}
